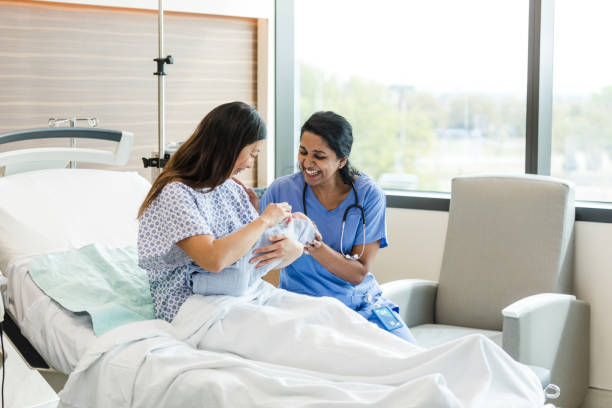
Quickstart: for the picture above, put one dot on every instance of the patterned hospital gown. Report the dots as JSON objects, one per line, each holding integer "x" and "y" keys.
{"x": 177, "y": 213}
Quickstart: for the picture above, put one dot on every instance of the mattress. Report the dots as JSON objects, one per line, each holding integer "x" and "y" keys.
{"x": 60, "y": 209}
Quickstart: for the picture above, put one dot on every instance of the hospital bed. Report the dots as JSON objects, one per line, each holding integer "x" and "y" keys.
{"x": 46, "y": 208}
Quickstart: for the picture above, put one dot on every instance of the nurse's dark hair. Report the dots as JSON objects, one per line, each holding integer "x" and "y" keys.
{"x": 208, "y": 157}
{"x": 338, "y": 133}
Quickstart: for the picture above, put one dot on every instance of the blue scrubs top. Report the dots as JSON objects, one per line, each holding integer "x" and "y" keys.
{"x": 308, "y": 276}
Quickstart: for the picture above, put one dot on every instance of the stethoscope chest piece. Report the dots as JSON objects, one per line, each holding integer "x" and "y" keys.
{"x": 346, "y": 212}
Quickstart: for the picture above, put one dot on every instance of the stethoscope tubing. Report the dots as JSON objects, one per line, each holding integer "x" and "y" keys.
{"x": 361, "y": 212}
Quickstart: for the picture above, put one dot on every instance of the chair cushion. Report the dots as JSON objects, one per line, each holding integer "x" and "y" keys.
{"x": 432, "y": 335}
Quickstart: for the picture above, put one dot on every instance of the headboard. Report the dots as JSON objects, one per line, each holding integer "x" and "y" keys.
{"x": 28, "y": 159}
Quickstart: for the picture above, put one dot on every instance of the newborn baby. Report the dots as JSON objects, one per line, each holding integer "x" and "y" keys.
{"x": 237, "y": 278}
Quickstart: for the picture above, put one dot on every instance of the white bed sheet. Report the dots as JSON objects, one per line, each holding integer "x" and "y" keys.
{"x": 60, "y": 336}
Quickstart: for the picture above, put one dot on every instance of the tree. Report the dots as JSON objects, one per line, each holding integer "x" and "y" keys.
{"x": 390, "y": 131}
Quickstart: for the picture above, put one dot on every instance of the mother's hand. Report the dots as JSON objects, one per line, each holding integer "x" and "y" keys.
{"x": 283, "y": 248}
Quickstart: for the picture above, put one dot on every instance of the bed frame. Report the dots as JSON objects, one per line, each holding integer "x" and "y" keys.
{"x": 38, "y": 158}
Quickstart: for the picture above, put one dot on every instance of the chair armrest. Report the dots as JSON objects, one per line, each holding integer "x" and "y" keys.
{"x": 415, "y": 298}
{"x": 551, "y": 330}
{"x": 535, "y": 326}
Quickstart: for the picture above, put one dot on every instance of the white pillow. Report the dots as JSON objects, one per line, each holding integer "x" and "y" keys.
{"x": 46, "y": 210}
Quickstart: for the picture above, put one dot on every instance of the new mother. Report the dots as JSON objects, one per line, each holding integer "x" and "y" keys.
{"x": 198, "y": 216}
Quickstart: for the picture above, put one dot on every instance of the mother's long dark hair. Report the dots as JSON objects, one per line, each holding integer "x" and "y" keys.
{"x": 208, "y": 157}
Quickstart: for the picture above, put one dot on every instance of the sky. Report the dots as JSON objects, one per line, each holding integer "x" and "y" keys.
{"x": 451, "y": 45}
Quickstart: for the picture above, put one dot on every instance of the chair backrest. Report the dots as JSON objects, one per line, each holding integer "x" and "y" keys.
{"x": 508, "y": 237}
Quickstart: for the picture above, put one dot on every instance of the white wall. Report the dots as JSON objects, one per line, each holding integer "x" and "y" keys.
{"x": 416, "y": 240}
{"x": 593, "y": 285}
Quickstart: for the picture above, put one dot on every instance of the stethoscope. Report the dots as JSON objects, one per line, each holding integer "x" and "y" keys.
{"x": 363, "y": 221}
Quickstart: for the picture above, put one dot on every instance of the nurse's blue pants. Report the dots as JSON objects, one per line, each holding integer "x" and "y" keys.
{"x": 401, "y": 332}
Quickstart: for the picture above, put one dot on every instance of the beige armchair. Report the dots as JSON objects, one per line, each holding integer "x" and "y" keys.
{"x": 507, "y": 273}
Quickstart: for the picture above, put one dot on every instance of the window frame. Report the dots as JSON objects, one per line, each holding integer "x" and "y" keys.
{"x": 538, "y": 138}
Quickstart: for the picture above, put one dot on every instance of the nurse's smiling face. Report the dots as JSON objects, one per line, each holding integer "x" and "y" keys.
{"x": 319, "y": 163}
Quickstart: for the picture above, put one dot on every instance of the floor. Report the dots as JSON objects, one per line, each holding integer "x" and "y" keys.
{"x": 55, "y": 379}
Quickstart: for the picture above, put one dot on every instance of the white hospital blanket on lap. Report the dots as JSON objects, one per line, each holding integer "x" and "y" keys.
{"x": 273, "y": 348}
{"x": 237, "y": 278}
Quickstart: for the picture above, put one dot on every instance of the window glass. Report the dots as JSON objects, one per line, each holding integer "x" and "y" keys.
{"x": 582, "y": 97}
{"x": 433, "y": 89}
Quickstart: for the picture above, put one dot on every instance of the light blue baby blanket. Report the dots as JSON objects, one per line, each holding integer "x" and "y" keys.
{"x": 106, "y": 283}
{"x": 237, "y": 278}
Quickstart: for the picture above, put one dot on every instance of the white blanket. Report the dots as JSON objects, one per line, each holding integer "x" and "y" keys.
{"x": 273, "y": 348}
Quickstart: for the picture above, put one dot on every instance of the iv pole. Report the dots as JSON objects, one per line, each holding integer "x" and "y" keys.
{"x": 161, "y": 86}
{"x": 158, "y": 159}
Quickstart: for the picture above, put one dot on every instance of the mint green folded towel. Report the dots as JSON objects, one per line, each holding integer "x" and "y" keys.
{"x": 106, "y": 283}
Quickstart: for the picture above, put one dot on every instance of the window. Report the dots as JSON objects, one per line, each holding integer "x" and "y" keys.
{"x": 582, "y": 97}
{"x": 433, "y": 89}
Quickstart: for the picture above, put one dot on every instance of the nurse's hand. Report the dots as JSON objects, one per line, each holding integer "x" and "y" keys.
{"x": 314, "y": 244}
{"x": 282, "y": 247}
{"x": 275, "y": 213}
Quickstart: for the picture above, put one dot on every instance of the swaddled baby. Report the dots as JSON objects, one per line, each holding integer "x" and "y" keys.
{"x": 237, "y": 278}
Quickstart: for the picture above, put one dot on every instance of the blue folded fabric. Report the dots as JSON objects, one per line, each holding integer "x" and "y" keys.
{"x": 106, "y": 283}
{"x": 237, "y": 278}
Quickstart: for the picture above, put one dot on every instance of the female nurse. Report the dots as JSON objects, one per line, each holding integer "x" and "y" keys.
{"x": 348, "y": 208}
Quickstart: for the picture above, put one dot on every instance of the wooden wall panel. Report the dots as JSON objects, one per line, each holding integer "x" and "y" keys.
{"x": 61, "y": 60}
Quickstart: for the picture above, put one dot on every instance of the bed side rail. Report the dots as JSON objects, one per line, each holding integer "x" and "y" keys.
{"x": 27, "y": 159}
